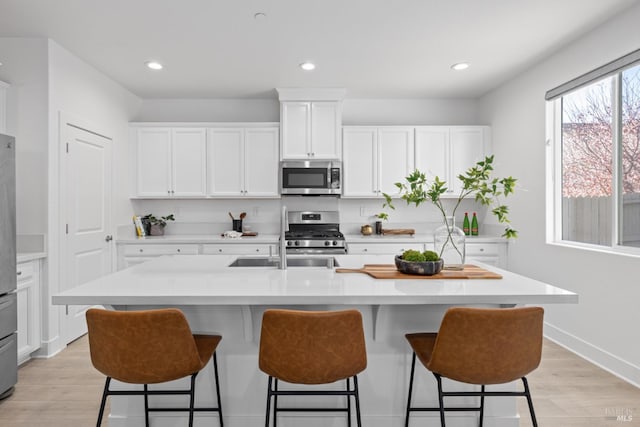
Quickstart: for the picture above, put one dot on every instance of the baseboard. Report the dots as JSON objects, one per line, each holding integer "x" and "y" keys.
{"x": 599, "y": 357}
{"x": 48, "y": 349}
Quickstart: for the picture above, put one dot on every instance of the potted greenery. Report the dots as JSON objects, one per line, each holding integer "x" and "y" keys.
{"x": 477, "y": 180}
{"x": 156, "y": 225}
{"x": 425, "y": 263}
{"x": 382, "y": 216}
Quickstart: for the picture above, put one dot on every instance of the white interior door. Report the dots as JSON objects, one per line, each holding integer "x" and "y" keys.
{"x": 87, "y": 202}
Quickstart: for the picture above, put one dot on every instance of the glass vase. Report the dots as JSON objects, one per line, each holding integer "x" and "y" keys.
{"x": 449, "y": 244}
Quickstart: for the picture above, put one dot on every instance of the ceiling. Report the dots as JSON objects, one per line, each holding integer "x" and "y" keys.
{"x": 373, "y": 48}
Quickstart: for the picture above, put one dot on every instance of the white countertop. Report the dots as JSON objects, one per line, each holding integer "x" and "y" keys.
{"x": 416, "y": 238}
{"x": 199, "y": 239}
{"x": 206, "y": 280}
{"x": 30, "y": 256}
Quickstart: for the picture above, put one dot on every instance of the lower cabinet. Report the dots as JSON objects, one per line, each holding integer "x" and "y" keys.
{"x": 382, "y": 248}
{"x": 488, "y": 253}
{"x": 129, "y": 255}
{"x": 238, "y": 249}
{"x": 133, "y": 254}
{"x": 492, "y": 253}
{"x": 28, "y": 300}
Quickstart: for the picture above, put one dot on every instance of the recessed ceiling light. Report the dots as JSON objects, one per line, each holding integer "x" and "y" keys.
{"x": 460, "y": 66}
{"x": 308, "y": 66}
{"x": 154, "y": 65}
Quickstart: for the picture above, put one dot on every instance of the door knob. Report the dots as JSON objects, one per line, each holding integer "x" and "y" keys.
{"x": 108, "y": 238}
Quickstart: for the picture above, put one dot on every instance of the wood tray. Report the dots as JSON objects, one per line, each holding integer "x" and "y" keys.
{"x": 399, "y": 231}
{"x": 389, "y": 271}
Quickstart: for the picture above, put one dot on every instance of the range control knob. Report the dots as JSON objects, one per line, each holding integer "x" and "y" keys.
{"x": 289, "y": 243}
{"x": 335, "y": 243}
{"x": 327, "y": 243}
{"x": 297, "y": 243}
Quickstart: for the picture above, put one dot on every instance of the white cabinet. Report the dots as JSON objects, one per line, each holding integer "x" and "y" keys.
{"x": 311, "y": 129}
{"x": 134, "y": 254}
{"x": 448, "y": 151}
{"x": 28, "y": 300}
{"x": 382, "y": 248}
{"x": 243, "y": 162}
{"x": 4, "y": 89}
{"x": 374, "y": 158}
{"x": 489, "y": 253}
{"x": 170, "y": 162}
{"x": 238, "y": 249}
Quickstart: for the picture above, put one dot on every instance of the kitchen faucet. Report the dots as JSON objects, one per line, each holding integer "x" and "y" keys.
{"x": 283, "y": 243}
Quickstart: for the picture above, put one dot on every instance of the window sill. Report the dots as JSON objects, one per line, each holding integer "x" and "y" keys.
{"x": 617, "y": 250}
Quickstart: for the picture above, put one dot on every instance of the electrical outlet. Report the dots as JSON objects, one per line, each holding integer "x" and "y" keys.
{"x": 363, "y": 211}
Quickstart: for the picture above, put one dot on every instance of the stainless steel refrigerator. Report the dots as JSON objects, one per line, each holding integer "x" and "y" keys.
{"x": 8, "y": 302}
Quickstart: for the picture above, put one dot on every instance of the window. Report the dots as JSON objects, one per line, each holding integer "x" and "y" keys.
{"x": 596, "y": 157}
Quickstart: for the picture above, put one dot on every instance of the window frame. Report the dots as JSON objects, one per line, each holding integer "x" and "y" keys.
{"x": 553, "y": 167}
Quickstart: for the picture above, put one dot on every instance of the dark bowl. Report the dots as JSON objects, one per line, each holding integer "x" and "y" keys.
{"x": 427, "y": 268}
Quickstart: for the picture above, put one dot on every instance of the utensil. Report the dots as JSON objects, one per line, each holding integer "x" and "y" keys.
{"x": 242, "y": 215}
{"x": 231, "y": 216}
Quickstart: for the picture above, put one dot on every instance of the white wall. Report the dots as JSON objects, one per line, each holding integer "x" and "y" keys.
{"x": 25, "y": 68}
{"x": 79, "y": 90}
{"x": 604, "y": 325}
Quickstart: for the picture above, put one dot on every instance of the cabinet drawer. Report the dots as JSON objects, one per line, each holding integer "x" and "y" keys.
{"x": 236, "y": 249}
{"x": 482, "y": 249}
{"x": 25, "y": 270}
{"x": 382, "y": 248}
{"x": 152, "y": 250}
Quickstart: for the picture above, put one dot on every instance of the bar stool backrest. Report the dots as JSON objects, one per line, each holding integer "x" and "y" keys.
{"x": 312, "y": 347}
{"x": 488, "y": 346}
{"x": 142, "y": 347}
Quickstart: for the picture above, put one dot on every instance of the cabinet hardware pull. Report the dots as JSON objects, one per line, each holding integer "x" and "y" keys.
{"x": 178, "y": 250}
{"x": 141, "y": 250}
{"x": 108, "y": 238}
{"x": 19, "y": 273}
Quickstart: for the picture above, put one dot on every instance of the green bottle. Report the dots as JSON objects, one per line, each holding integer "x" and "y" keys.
{"x": 474, "y": 225}
{"x": 465, "y": 224}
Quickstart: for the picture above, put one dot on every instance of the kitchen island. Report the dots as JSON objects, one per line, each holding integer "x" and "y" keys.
{"x": 230, "y": 301}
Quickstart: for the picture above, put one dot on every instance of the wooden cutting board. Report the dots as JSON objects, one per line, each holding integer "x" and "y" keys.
{"x": 398, "y": 231}
{"x": 389, "y": 271}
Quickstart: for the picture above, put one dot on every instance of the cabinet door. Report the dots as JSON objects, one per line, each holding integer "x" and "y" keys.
{"x": 153, "y": 157}
{"x": 261, "y": 162}
{"x": 432, "y": 152}
{"x": 28, "y": 301}
{"x": 467, "y": 148}
{"x": 4, "y": 88}
{"x": 296, "y": 129}
{"x": 226, "y": 164}
{"x": 359, "y": 157}
{"x": 395, "y": 157}
{"x": 189, "y": 162}
{"x": 383, "y": 248}
{"x": 326, "y": 120}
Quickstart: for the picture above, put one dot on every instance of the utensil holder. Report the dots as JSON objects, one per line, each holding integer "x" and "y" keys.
{"x": 237, "y": 225}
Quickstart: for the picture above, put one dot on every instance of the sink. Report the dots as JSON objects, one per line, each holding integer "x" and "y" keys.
{"x": 317, "y": 262}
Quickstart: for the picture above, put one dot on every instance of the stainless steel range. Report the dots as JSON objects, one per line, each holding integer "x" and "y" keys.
{"x": 314, "y": 233}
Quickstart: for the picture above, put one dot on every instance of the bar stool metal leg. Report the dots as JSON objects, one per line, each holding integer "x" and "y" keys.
{"x": 440, "y": 400}
{"x": 215, "y": 373}
{"x": 357, "y": 395}
{"x": 348, "y": 404}
{"x": 104, "y": 401}
{"x": 482, "y": 405}
{"x": 275, "y": 403}
{"x": 529, "y": 402}
{"x": 266, "y": 423}
{"x": 146, "y": 405}
{"x": 192, "y": 398}
{"x": 413, "y": 369}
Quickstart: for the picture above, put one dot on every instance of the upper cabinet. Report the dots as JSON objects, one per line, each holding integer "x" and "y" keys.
{"x": 243, "y": 162}
{"x": 170, "y": 162}
{"x": 4, "y": 88}
{"x": 448, "y": 151}
{"x": 374, "y": 158}
{"x": 311, "y": 122}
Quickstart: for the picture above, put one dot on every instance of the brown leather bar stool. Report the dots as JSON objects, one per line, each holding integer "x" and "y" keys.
{"x": 312, "y": 347}
{"x": 150, "y": 347}
{"x": 480, "y": 346}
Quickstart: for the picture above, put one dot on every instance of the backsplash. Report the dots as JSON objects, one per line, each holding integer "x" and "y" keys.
{"x": 211, "y": 216}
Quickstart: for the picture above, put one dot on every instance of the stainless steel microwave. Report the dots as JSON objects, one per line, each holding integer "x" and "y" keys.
{"x": 310, "y": 177}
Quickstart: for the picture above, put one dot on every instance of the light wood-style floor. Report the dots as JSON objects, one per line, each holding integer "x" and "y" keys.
{"x": 567, "y": 392}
